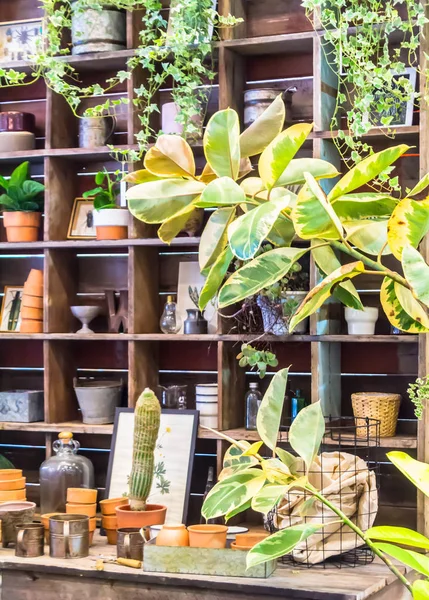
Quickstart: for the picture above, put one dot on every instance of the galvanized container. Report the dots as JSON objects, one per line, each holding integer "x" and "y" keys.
{"x": 29, "y": 540}
{"x": 256, "y": 101}
{"x": 96, "y": 131}
{"x": 130, "y": 543}
{"x": 69, "y": 536}
{"x": 21, "y": 406}
{"x": 98, "y": 30}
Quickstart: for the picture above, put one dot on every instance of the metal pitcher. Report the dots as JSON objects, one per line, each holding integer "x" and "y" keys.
{"x": 130, "y": 543}
{"x": 69, "y": 536}
{"x": 95, "y": 131}
{"x": 29, "y": 540}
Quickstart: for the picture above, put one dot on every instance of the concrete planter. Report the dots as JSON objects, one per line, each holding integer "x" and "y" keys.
{"x": 98, "y": 400}
{"x": 21, "y": 406}
{"x": 98, "y": 31}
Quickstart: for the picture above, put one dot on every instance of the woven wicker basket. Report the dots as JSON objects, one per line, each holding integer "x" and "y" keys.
{"x": 376, "y": 405}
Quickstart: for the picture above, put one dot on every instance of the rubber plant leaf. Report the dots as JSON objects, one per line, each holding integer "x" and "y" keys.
{"x": 422, "y": 185}
{"x": 294, "y": 172}
{"x": 368, "y": 235}
{"x": 215, "y": 277}
{"x": 408, "y": 225}
{"x": 171, "y": 156}
{"x": 141, "y": 176}
{"x": 268, "y": 497}
{"x": 261, "y": 132}
{"x": 416, "y": 272}
{"x": 171, "y": 227}
{"x": 306, "y": 433}
{"x": 414, "y": 560}
{"x": 232, "y": 492}
{"x": 398, "y": 535}
{"x": 221, "y": 192}
{"x": 314, "y": 218}
{"x": 214, "y": 237}
{"x": 414, "y": 470}
{"x": 222, "y": 143}
{"x": 420, "y": 590}
{"x": 356, "y": 207}
{"x": 402, "y": 309}
{"x": 270, "y": 410}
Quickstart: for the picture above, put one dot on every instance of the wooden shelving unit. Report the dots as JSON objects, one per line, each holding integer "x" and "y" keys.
{"x": 277, "y": 48}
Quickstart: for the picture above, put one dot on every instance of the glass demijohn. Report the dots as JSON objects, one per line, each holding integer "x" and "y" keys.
{"x": 253, "y": 401}
{"x": 170, "y": 321}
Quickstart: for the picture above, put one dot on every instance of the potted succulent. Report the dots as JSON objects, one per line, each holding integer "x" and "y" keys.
{"x": 111, "y": 221}
{"x": 138, "y": 513}
{"x": 22, "y": 205}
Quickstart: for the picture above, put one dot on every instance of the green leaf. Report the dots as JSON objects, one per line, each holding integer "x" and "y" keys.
{"x": 260, "y": 273}
{"x": 238, "y": 510}
{"x": 282, "y": 232}
{"x": 215, "y": 277}
{"x": 254, "y": 449}
{"x": 174, "y": 225}
{"x": 294, "y": 172}
{"x": 214, "y": 237}
{"x": 221, "y": 192}
{"x": 280, "y": 543}
{"x": 252, "y": 185}
{"x": 366, "y": 170}
{"x": 287, "y": 459}
{"x": 235, "y": 461}
{"x": 416, "y": 272}
{"x": 230, "y": 493}
{"x": 4, "y": 183}
{"x": 20, "y": 174}
{"x": 370, "y": 236}
{"x": 99, "y": 177}
{"x": 156, "y": 201}
{"x": 32, "y": 188}
{"x": 398, "y": 535}
{"x": 414, "y": 560}
{"x": 268, "y": 497}
{"x": 321, "y": 292}
{"x": 94, "y": 192}
{"x": 141, "y": 176}
{"x": 402, "y": 309}
{"x": 222, "y": 145}
{"x": 421, "y": 590}
{"x": 278, "y": 154}
{"x": 408, "y": 225}
{"x": 307, "y": 506}
{"x": 422, "y": 185}
{"x": 270, "y": 411}
{"x": 313, "y": 217}
{"x": 414, "y": 470}
{"x": 327, "y": 262}
{"x": 307, "y": 431}
{"x": 354, "y": 207}
{"x": 247, "y": 233}
{"x": 262, "y": 131}
{"x": 171, "y": 156}
{"x": 16, "y": 193}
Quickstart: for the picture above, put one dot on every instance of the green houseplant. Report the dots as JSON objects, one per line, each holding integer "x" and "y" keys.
{"x": 363, "y": 226}
{"x": 111, "y": 221}
{"x": 22, "y": 205}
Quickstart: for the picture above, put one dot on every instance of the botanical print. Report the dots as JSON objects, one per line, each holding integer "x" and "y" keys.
{"x": 10, "y": 315}
{"x": 18, "y": 39}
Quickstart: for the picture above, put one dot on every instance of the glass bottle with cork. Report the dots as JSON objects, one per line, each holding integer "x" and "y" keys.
{"x": 252, "y": 399}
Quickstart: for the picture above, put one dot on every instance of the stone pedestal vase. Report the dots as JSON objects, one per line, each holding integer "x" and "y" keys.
{"x": 98, "y": 30}
{"x": 98, "y": 400}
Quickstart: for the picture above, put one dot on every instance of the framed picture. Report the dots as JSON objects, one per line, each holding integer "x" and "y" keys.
{"x": 81, "y": 226}
{"x": 174, "y": 459}
{"x": 402, "y": 113}
{"x": 10, "y": 315}
{"x": 18, "y": 39}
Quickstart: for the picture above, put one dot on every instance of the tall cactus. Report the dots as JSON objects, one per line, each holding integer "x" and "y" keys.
{"x": 147, "y": 417}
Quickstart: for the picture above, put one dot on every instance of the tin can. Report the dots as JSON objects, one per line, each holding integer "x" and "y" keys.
{"x": 130, "y": 543}
{"x": 29, "y": 540}
{"x": 69, "y": 536}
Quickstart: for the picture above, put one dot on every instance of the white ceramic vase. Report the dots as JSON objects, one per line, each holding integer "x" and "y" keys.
{"x": 361, "y": 322}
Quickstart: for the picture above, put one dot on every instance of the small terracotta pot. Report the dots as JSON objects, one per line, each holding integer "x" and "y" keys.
{"x": 112, "y": 232}
{"x": 207, "y": 536}
{"x": 248, "y": 540}
{"x": 35, "y": 277}
{"x": 8, "y": 474}
{"x": 112, "y": 536}
{"x": 32, "y": 301}
{"x": 11, "y": 495}
{"x": 108, "y": 506}
{"x": 31, "y": 326}
{"x": 111, "y": 223}
{"x": 22, "y": 226}
{"x": 92, "y": 524}
{"x": 109, "y": 522}
{"x": 13, "y": 484}
{"x": 173, "y": 535}
{"x": 90, "y": 510}
{"x": 153, "y": 515}
{"x": 33, "y": 290}
{"x": 32, "y": 313}
{"x": 81, "y": 496}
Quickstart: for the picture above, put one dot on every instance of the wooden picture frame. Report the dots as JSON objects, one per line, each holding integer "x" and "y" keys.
{"x": 403, "y": 116}
{"x": 6, "y": 307}
{"x": 18, "y": 39}
{"x": 78, "y": 226}
{"x": 175, "y": 448}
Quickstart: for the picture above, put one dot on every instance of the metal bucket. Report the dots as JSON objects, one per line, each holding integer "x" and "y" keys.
{"x": 257, "y": 101}
{"x": 130, "y": 543}
{"x": 98, "y": 30}
{"x": 69, "y": 536}
{"x": 29, "y": 540}
{"x": 96, "y": 131}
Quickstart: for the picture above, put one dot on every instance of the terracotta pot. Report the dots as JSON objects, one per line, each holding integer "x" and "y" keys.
{"x": 13, "y": 484}
{"x": 108, "y": 506}
{"x": 173, "y": 535}
{"x": 248, "y": 540}
{"x": 12, "y": 495}
{"x": 32, "y": 313}
{"x": 112, "y": 536}
{"x": 32, "y": 301}
{"x": 21, "y": 226}
{"x": 81, "y": 496}
{"x": 115, "y": 232}
{"x": 31, "y": 326}
{"x": 33, "y": 290}
{"x": 8, "y": 474}
{"x": 207, "y": 536}
{"x": 111, "y": 223}
{"x": 153, "y": 515}
{"x": 109, "y": 522}
{"x": 35, "y": 277}
{"x": 92, "y": 524}
{"x": 90, "y": 510}
{"x": 90, "y": 538}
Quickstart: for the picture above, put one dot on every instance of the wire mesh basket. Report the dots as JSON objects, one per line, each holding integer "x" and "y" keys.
{"x": 346, "y": 471}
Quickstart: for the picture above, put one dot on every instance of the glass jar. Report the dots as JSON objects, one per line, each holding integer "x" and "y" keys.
{"x": 170, "y": 321}
{"x": 253, "y": 401}
{"x": 63, "y": 470}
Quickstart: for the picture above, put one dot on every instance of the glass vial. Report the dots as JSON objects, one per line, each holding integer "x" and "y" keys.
{"x": 253, "y": 401}
{"x": 170, "y": 321}
{"x": 297, "y": 404}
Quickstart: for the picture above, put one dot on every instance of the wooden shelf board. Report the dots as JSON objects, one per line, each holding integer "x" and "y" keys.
{"x": 88, "y": 244}
{"x": 73, "y": 426}
{"x": 321, "y": 338}
{"x": 375, "y": 133}
{"x": 287, "y": 43}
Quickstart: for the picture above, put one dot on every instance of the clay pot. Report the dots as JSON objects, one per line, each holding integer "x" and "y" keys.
{"x": 111, "y": 223}
{"x": 108, "y": 506}
{"x": 245, "y": 541}
{"x": 8, "y": 474}
{"x": 35, "y": 277}
{"x": 13, "y": 514}
{"x": 81, "y": 496}
{"x": 112, "y": 536}
{"x": 33, "y": 290}
{"x": 13, "y": 484}
{"x": 32, "y": 301}
{"x": 109, "y": 521}
{"x": 90, "y": 510}
{"x": 173, "y": 535}
{"x": 31, "y": 326}
{"x": 21, "y": 226}
{"x": 35, "y": 314}
{"x": 207, "y": 536}
{"x": 12, "y": 495}
{"x": 92, "y": 527}
{"x": 153, "y": 515}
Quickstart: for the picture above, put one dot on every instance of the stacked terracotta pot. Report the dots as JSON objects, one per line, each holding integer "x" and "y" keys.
{"x": 12, "y": 485}
{"x": 109, "y": 520}
{"x": 83, "y": 501}
{"x": 32, "y": 303}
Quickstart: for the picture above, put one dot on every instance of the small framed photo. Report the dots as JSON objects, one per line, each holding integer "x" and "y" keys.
{"x": 401, "y": 112}
{"x": 81, "y": 226}
{"x": 10, "y": 314}
{"x": 18, "y": 39}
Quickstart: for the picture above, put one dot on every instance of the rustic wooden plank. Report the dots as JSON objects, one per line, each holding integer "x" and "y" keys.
{"x": 60, "y": 399}
{"x": 143, "y": 369}
{"x": 231, "y": 387}
{"x": 231, "y": 80}
{"x": 143, "y": 290}
{"x": 237, "y": 8}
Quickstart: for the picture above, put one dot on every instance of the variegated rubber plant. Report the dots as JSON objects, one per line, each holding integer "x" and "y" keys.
{"x": 249, "y": 480}
{"x": 363, "y": 225}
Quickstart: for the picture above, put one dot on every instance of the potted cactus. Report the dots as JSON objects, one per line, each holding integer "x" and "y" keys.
{"x": 138, "y": 513}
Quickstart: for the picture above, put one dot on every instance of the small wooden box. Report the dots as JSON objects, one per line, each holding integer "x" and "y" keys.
{"x": 21, "y": 406}
{"x": 202, "y": 561}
